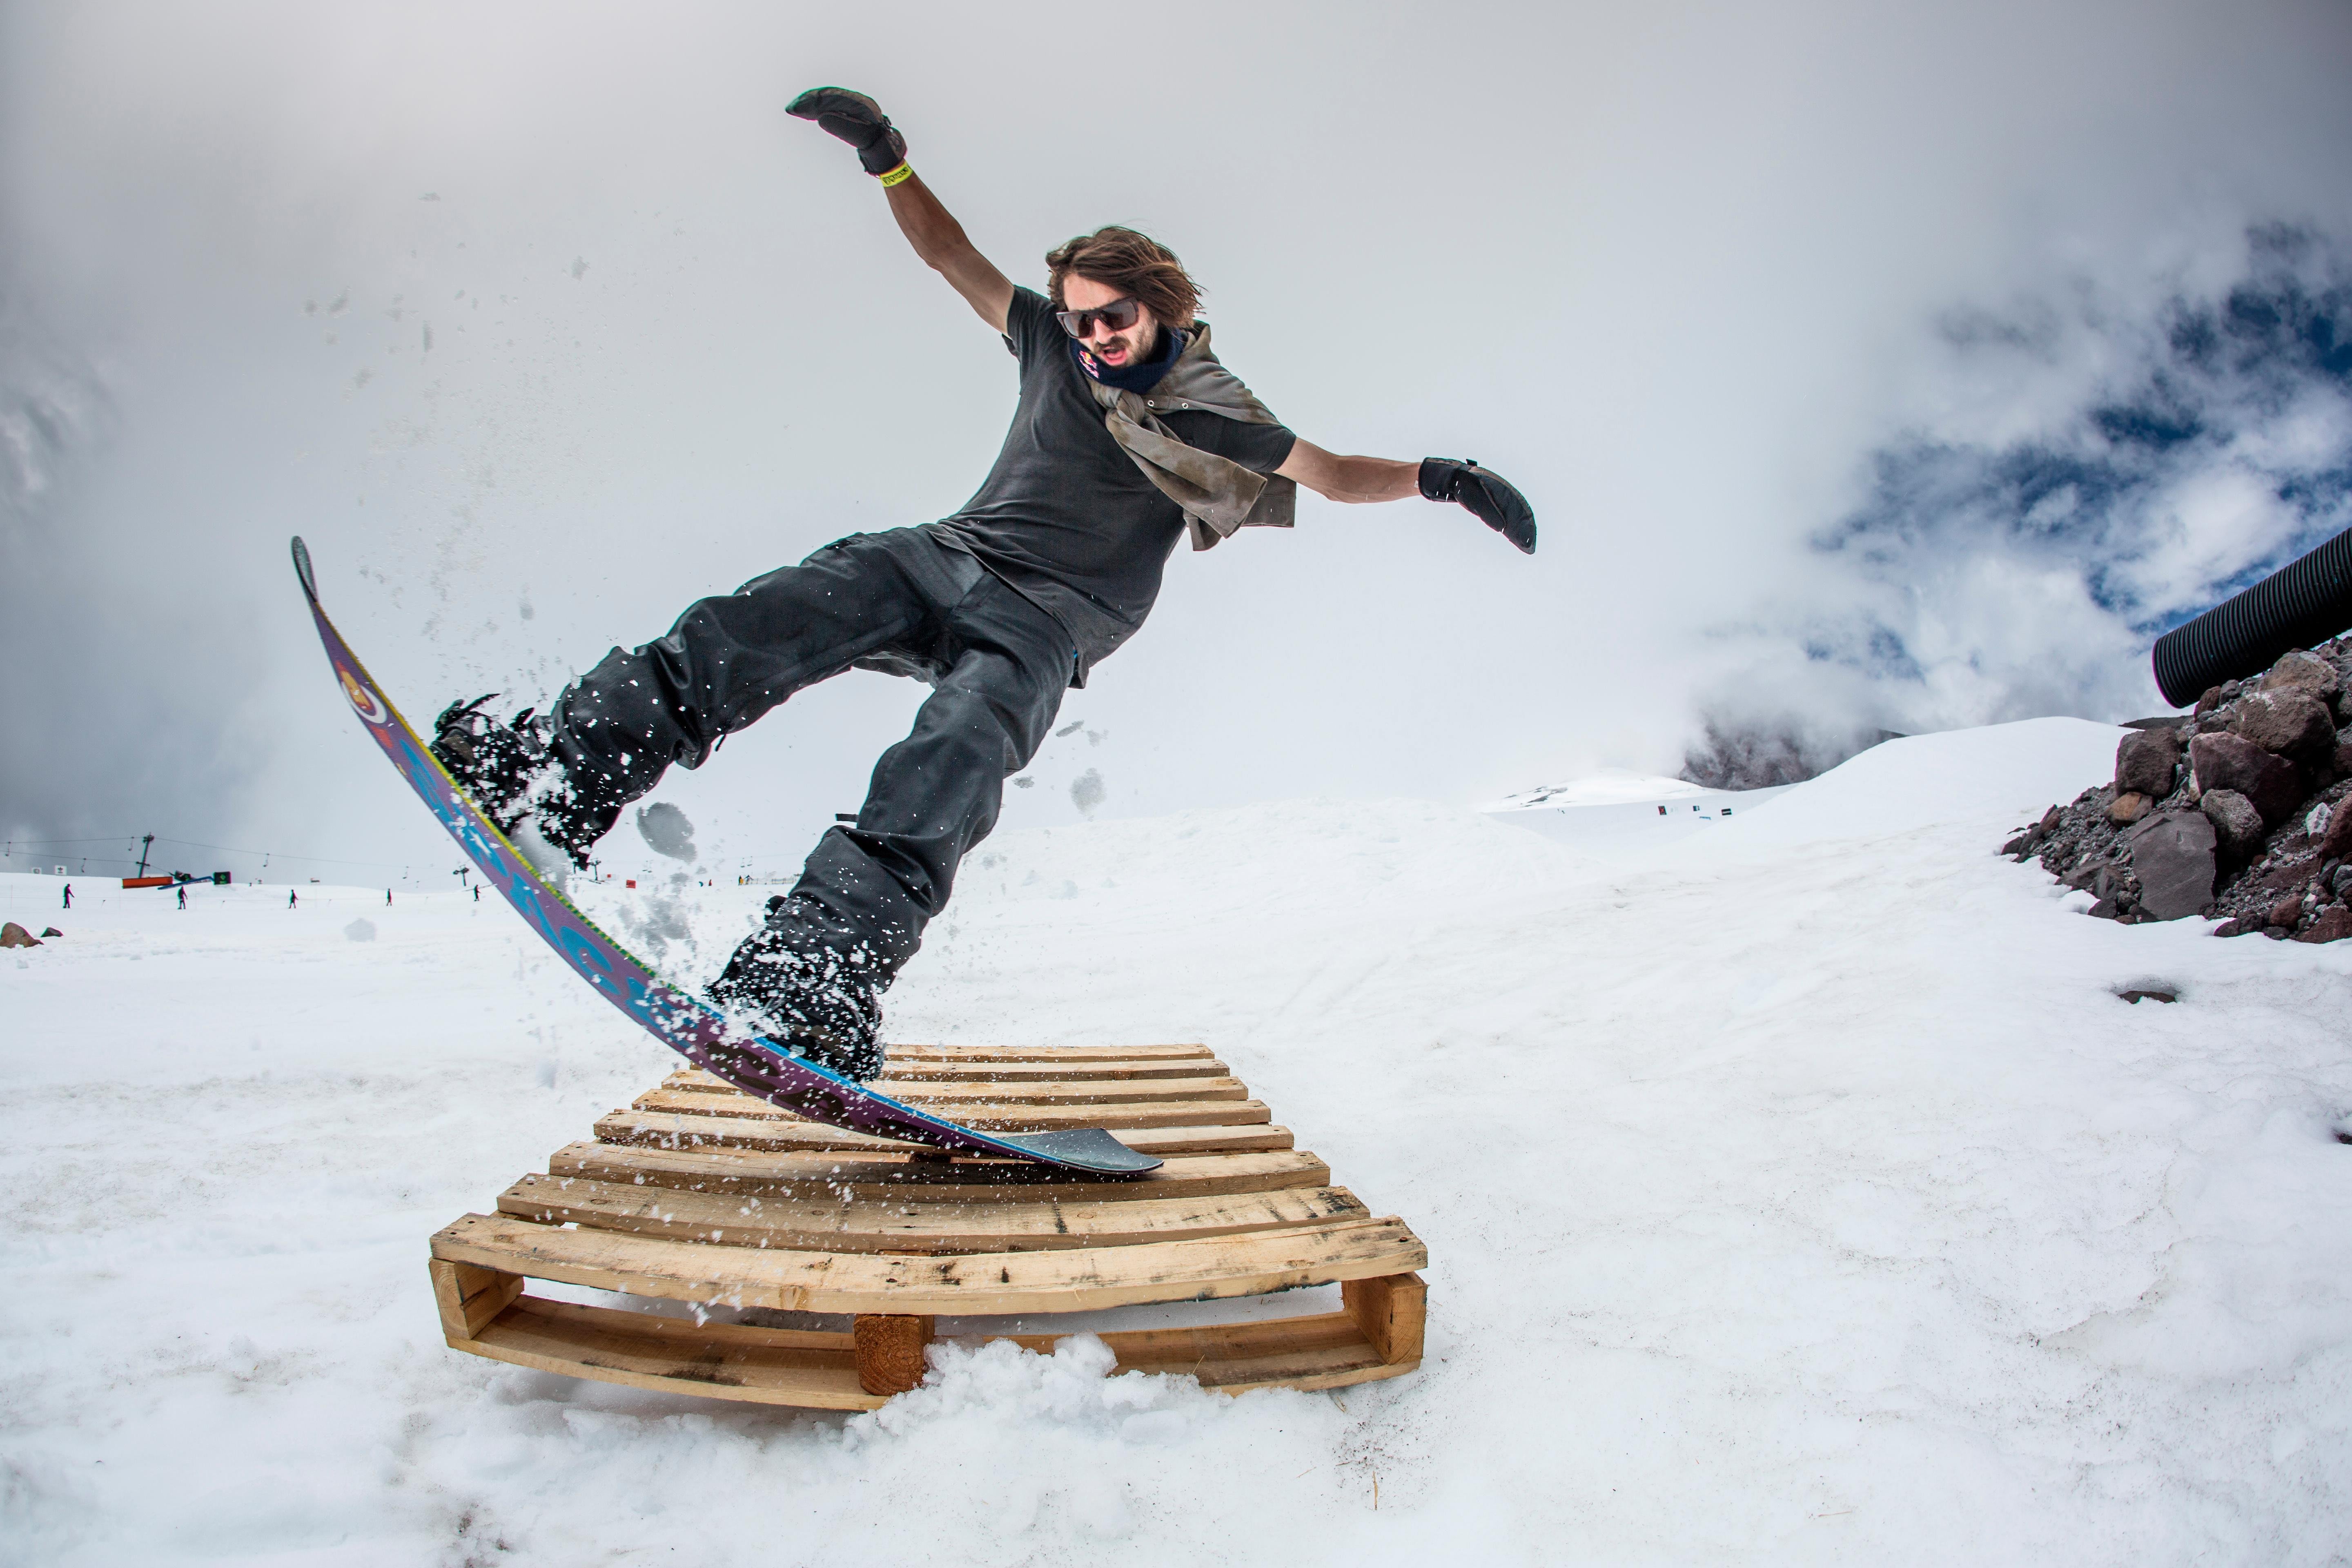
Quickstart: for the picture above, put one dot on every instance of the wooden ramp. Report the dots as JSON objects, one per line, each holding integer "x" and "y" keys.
{"x": 700, "y": 1193}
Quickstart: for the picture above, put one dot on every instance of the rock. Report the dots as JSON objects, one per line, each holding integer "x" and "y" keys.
{"x": 2235, "y": 763}
{"x": 2173, "y": 854}
{"x": 2236, "y": 824}
{"x": 2135, "y": 997}
{"x": 14, "y": 935}
{"x": 2237, "y": 928}
{"x": 2334, "y": 924}
{"x": 2304, "y": 672}
{"x": 2211, "y": 700}
{"x": 2336, "y": 844}
{"x": 2290, "y": 724}
{"x": 51, "y": 930}
{"x": 2128, "y": 808}
{"x": 2342, "y": 762}
{"x": 2286, "y": 911}
{"x": 2143, "y": 763}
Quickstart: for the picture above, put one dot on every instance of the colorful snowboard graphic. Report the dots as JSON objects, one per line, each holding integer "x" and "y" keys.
{"x": 684, "y": 1023}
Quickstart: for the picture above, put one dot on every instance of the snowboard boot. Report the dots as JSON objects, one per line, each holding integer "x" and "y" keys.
{"x": 820, "y": 1000}
{"x": 520, "y": 785}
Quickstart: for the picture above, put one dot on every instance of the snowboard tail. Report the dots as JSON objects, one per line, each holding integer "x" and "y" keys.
{"x": 685, "y": 1023}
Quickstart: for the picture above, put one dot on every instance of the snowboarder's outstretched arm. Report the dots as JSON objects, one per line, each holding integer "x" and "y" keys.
{"x": 929, "y": 228}
{"x": 1489, "y": 496}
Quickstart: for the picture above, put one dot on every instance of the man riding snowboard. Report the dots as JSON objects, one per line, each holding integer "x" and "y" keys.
{"x": 1130, "y": 434}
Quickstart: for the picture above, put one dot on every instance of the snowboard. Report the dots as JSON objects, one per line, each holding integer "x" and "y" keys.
{"x": 685, "y": 1023}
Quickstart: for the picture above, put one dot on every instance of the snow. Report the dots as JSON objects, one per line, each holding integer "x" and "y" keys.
{"x": 1610, "y": 786}
{"x": 1801, "y": 1191}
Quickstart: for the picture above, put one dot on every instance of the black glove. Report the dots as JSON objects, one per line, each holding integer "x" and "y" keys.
{"x": 856, "y": 120}
{"x": 1484, "y": 492}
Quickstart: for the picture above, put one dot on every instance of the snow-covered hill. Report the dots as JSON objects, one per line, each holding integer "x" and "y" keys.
{"x": 1802, "y": 1191}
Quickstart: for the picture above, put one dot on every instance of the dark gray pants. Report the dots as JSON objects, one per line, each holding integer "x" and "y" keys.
{"x": 895, "y": 601}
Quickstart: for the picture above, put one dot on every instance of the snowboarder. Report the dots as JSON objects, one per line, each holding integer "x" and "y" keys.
{"x": 1129, "y": 434}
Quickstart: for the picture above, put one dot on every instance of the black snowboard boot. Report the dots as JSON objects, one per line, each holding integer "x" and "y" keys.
{"x": 510, "y": 773}
{"x": 807, "y": 990}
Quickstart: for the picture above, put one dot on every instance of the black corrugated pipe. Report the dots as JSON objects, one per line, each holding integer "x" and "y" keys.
{"x": 2300, "y": 605}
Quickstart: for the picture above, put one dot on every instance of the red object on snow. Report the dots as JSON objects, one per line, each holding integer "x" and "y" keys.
{"x": 632, "y": 881}
{"x": 146, "y": 881}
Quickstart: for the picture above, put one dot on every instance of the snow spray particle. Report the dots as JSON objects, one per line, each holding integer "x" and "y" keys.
{"x": 1087, "y": 792}
{"x": 666, "y": 830}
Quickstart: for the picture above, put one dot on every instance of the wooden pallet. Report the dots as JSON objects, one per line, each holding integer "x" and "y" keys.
{"x": 700, "y": 1193}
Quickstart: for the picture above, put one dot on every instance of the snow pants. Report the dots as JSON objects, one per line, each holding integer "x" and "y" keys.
{"x": 898, "y": 602}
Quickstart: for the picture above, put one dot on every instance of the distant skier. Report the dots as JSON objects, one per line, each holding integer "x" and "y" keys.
{"x": 183, "y": 898}
{"x": 69, "y": 895}
{"x": 290, "y": 897}
{"x": 1130, "y": 434}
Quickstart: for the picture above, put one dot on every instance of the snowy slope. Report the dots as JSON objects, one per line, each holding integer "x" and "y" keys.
{"x": 1803, "y": 1193}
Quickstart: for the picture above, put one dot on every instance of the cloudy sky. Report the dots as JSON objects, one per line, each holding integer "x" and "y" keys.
{"x": 1868, "y": 367}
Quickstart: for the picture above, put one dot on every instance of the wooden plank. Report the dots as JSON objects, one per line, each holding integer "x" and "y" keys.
{"x": 896, "y": 1054}
{"x": 469, "y": 1297}
{"x": 818, "y": 1370}
{"x": 1003, "y": 1071}
{"x": 1392, "y": 1312}
{"x": 1255, "y": 1263}
{"x": 1326, "y": 1350}
{"x": 1067, "y": 1091}
{"x": 831, "y": 1176}
{"x": 1041, "y": 1085}
{"x": 901, "y": 1225}
{"x": 677, "y": 1131}
{"x": 764, "y": 1366}
{"x": 888, "y": 1347}
{"x": 992, "y": 1116}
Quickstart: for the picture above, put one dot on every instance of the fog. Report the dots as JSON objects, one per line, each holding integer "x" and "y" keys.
{"x": 538, "y": 322}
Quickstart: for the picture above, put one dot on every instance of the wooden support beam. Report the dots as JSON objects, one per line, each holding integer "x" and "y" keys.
{"x": 1392, "y": 1310}
{"x": 889, "y": 1348}
{"x": 470, "y": 1296}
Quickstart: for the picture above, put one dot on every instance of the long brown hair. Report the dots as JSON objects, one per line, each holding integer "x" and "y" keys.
{"x": 1136, "y": 264}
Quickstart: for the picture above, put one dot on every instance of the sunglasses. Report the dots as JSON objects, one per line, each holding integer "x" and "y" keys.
{"x": 1119, "y": 315}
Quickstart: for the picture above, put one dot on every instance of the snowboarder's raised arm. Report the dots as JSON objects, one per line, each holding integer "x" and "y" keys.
{"x": 1486, "y": 494}
{"x": 929, "y": 228}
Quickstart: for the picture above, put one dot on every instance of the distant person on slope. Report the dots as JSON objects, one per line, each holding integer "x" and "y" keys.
{"x": 1130, "y": 434}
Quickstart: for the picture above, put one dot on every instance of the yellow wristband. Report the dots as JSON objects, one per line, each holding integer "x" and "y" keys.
{"x": 902, "y": 173}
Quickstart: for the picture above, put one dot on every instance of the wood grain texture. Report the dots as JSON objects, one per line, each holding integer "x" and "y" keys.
{"x": 818, "y": 1370}
{"x": 828, "y": 1176}
{"x": 469, "y": 1297}
{"x": 1393, "y": 1311}
{"x": 990, "y": 1115}
{"x": 681, "y": 1130}
{"x": 888, "y": 1348}
{"x": 894, "y": 1055}
{"x": 904, "y": 1226}
{"x": 1255, "y": 1263}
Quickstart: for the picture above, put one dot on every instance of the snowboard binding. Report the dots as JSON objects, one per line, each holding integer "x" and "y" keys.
{"x": 820, "y": 1002}
{"x": 513, "y": 772}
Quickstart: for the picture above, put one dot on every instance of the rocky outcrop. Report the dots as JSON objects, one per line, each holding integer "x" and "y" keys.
{"x": 2236, "y": 812}
{"x": 2236, "y": 764}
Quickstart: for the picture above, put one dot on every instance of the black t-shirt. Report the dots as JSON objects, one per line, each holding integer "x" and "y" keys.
{"x": 1066, "y": 517}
